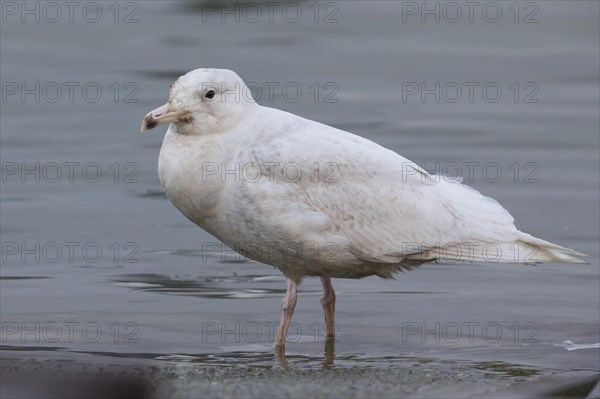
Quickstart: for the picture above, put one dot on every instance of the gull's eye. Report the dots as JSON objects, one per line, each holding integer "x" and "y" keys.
{"x": 210, "y": 94}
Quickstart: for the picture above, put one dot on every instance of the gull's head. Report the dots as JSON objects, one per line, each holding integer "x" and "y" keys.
{"x": 203, "y": 101}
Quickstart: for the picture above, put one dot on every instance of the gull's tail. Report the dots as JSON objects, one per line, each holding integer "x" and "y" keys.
{"x": 484, "y": 231}
{"x": 526, "y": 249}
{"x": 544, "y": 251}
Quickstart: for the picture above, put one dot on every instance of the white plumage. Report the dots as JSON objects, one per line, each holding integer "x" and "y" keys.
{"x": 313, "y": 200}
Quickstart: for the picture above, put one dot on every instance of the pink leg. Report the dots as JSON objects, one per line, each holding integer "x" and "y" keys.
{"x": 289, "y": 303}
{"x": 328, "y": 302}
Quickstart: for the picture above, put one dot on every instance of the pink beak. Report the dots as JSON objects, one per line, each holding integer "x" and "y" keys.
{"x": 160, "y": 116}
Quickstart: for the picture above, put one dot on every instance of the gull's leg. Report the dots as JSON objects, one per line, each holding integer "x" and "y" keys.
{"x": 289, "y": 303}
{"x": 280, "y": 356}
{"x": 329, "y": 354}
{"x": 328, "y": 302}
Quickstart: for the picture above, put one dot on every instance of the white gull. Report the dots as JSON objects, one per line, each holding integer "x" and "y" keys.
{"x": 313, "y": 200}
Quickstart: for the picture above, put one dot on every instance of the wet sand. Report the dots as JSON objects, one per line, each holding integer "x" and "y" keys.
{"x": 62, "y": 374}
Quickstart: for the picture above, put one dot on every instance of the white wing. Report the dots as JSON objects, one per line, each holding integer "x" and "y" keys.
{"x": 331, "y": 185}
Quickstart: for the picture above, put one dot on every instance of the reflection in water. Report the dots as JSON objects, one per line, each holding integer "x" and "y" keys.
{"x": 328, "y": 359}
{"x": 152, "y": 193}
{"x": 233, "y": 286}
{"x": 206, "y": 286}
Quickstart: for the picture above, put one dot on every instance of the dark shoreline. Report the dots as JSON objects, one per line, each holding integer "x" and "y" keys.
{"x": 41, "y": 374}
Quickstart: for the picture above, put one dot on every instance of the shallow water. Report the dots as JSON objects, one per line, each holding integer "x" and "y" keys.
{"x": 118, "y": 272}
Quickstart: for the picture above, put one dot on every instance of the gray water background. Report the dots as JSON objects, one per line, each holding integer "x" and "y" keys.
{"x": 169, "y": 301}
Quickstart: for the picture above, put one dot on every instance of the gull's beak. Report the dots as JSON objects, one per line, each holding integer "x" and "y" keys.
{"x": 160, "y": 116}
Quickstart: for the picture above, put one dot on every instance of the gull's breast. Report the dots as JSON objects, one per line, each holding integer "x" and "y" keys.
{"x": 185, "y": 168}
